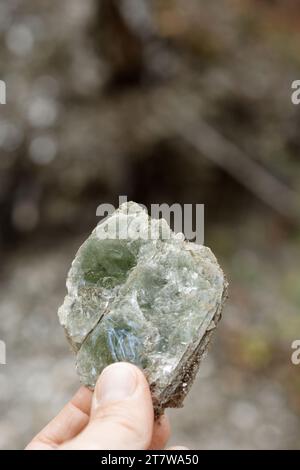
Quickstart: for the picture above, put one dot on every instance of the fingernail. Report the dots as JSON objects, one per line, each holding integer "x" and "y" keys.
{"x": 117, "y": 382}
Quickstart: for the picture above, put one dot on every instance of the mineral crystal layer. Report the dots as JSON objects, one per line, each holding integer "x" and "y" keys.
{"x": 140, "y": 293}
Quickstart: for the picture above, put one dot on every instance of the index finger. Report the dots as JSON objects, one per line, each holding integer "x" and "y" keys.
{"x": 67, "y": 424}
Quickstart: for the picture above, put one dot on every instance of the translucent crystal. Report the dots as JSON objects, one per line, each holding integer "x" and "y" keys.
{"x": 138, "y": 292}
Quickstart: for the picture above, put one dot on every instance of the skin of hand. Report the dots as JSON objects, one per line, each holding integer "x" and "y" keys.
{"x": 117, "y": 416}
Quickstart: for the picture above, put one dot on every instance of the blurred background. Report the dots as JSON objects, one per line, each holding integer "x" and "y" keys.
{"x": 162, "y": 101}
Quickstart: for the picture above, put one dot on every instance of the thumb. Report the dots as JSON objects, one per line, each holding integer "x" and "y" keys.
{"x": 122, "y": 412}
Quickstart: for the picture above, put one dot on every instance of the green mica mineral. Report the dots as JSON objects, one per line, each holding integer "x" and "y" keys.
{"x": 138, "y": 292}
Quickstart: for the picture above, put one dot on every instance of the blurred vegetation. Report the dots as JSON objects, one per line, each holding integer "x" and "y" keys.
{"x": 100, "y": 95}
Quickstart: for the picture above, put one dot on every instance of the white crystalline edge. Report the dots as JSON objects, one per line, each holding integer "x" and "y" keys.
{"x": 133, "y": 222}
{"x": 206, "y": 313}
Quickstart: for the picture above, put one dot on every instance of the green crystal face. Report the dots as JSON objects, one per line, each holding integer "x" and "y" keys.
{"x": 147, "y": 301}
{"x": 106, "y": 264}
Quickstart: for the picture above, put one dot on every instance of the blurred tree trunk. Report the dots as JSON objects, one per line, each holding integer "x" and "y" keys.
{"x": 122, "y": 30}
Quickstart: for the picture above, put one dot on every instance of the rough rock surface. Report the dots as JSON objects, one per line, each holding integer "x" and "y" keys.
{"x": 139, "y": 292}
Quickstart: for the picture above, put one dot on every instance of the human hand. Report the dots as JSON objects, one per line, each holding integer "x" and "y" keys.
{"x": 118, "y": 415}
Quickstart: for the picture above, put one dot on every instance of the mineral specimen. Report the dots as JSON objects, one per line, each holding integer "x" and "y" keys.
{"x": 138, "y": 292}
